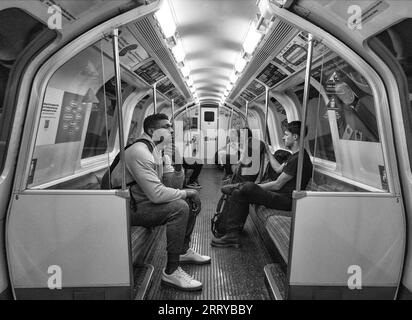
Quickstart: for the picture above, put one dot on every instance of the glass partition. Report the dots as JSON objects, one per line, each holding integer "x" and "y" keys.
{"x": 342, "y": 128}
{"x": 77, "y": 121}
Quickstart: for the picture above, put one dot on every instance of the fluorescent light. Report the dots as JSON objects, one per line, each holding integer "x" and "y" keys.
{"x": 252, "y": 39}
{"x": 185, "y": 71}
{"x": 189, "y": 81}
{"x": 178, "y": 51}
{"x": 233, "y": 78}
{"x": 282, "y": 3}
{"x": 229, "y": 87}
{"x": 165, "y": 18}
{"x": 264, "y": 9}
{"x": 240, "y": 64}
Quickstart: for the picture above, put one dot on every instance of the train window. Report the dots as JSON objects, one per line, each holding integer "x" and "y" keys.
{"x": 17, "y": 30}
{"x": 209, "y": 116}
{"x": 343, "y": 127}
{"x": 77, "y": 120}
{"x": 277, "y": 117}
{"x": 319, "y": 130}
{"x": 135, "y": 130}
{"x": 398, "y": 41}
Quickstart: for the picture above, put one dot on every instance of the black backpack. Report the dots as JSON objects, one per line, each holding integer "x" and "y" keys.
{"x": 218, "y": 222}
{"x": 106, "y": 183}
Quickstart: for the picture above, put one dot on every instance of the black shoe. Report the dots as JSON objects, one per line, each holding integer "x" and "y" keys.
{"x": 229, "y": 240}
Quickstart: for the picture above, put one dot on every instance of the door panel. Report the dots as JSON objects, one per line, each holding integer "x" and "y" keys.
{"x": 332, "y": 233}
{"x": 86, "y": 236}
{"x": 209, "y": 134}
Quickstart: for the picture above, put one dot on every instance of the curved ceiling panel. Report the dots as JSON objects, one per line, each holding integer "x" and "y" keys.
{"x": 212, "y": 34}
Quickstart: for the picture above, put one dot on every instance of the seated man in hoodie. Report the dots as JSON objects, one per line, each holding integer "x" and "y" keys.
{"x": 157, "y": 204}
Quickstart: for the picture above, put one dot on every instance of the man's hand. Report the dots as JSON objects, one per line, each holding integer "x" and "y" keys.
{"x": 192, "y": 194}
{"x": 193, "y": 199}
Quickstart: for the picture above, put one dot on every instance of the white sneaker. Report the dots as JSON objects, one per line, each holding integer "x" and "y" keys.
{"x": 191, "y": 256}
{"x": 181, "y": 280}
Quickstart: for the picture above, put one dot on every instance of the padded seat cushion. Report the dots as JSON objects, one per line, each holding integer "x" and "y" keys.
{"x": 278, "y": 228}
{"x": 264, "y": 213}
{"x": 140, "y": 237}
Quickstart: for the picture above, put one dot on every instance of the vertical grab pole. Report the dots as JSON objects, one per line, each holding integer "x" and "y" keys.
{"x": 154, "y": 98}
{"x": 188, "y": 122}
{"x": 230, "y": 119}
{"x": 247, "y": 110}
{"x": 119, "y": 103}
{"x": 218, "y": 124}
{"x": 265, "y": 127}
{"x": 173, "y": 112}
{"x": 304, "y": 110}
{"x": 228, "y": 129}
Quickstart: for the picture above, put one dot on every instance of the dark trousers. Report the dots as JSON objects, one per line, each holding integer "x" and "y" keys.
{"x": 196, "y": 170}
{"x": 177, "y": 216}
{"x": 251, "y": 193}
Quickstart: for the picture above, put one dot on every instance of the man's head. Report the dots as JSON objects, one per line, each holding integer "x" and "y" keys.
{"x": 158, "y": 127}
{"x": 292, "y": 134}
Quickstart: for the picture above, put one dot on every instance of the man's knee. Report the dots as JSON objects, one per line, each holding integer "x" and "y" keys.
{"x": 180, "y": 206}
{"x": 179, "y": 213}
{"x": 243, "y": 193}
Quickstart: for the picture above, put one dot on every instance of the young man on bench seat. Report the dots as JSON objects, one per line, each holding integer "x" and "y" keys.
{"x": 275, "y": 194}
{"x": 157, "y": 204}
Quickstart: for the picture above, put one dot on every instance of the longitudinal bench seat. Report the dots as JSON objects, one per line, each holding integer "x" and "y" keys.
{"x": 277, "y": 224}
{"x": 278, "y": 228}
{"x": 142, "y": 240}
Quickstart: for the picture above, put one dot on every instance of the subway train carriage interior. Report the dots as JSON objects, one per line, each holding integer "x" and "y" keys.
{"x": 211, "y": 92}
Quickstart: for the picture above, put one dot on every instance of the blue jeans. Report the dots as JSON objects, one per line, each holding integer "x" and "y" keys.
{"x": 177, "y": 216}
{"x": 251, "y": 193}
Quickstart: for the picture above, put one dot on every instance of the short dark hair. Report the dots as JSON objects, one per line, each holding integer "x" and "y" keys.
{"x": 151, "y": 121}
{"x": 295, "y": 126}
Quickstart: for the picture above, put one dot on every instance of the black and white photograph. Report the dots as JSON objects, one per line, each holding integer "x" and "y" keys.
{"x": 206, "y": 158}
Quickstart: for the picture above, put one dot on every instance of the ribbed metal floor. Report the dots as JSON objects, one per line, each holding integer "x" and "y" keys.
{"x": 234, "y": 274}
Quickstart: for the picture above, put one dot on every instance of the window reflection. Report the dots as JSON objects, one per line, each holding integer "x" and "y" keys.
{"x": 342, "y": 128}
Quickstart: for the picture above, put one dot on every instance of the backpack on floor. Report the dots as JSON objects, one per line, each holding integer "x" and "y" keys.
{"x": 218, "y": 222}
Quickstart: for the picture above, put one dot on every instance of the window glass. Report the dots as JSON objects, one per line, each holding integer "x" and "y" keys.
{"x": 399, "y": 42}
{"x": 135, "y": 130}
{"x": 254, "y": 121}
{"x": 319, "y": 134}
{"x": 209, "y": 116}
{"x": 77, "y": 119}
{"x": 17, "y": 30}
{"x": 342, "y": 121}
{"x": 277, "y": 121}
